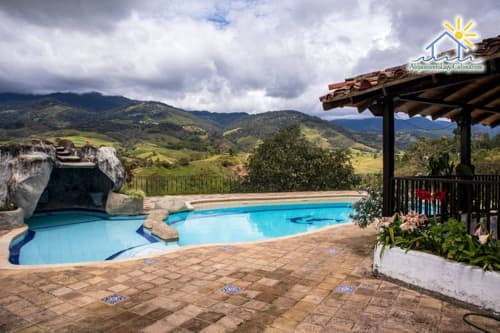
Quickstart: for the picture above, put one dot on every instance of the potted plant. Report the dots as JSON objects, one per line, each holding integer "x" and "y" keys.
{"x": 11, "y": 216}
{"x": 439, "y": 256}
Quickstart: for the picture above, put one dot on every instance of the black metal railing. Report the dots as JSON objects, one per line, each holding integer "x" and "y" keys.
{"x": 175, "y": 185}
{"x": 476, "y": 199}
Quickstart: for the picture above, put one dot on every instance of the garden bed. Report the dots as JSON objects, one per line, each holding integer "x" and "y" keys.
{"x": 469, "y": 284}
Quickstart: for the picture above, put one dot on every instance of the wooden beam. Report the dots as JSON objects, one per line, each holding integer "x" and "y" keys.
{"x": 438, "y": 85}
{"x": 419, "y": 107}
{"x": 471, "y": 92}
{"x": 435, "y": 101}
{"x": 488, "y": 97}
{"x": 441, "y": 112}
{"x": 481, "y": 117}
{"x": 388, "y": 156}
{"x": 436, "y": 81}
{"x": 495, "y": 123}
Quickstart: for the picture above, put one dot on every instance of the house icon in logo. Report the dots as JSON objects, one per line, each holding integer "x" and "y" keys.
{"x": 458, "y": 58}
{"x": 433, "y": 46}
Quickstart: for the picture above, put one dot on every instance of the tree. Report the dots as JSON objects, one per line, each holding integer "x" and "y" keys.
{"x": 288, "y": 162}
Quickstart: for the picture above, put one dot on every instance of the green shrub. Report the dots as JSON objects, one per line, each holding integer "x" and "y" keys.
{"x": 288, "y": 162}
{"x": 136, "y": 194}
{"x": 183, "y": 161}
{"x": 369, "y": 208}
{"x": 440, "y": 165}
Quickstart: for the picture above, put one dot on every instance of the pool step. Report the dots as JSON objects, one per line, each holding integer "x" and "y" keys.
{"x": 155, "y": 222}
{"x": 165, "y": 232}
{"x": 63, "y": 152}
{"x": 69, "y": 158}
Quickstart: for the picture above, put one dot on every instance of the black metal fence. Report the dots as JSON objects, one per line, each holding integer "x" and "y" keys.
{"x": 474, "y": 199}
{"x": 178, "y": 185}
{"x": 174, "y": 185}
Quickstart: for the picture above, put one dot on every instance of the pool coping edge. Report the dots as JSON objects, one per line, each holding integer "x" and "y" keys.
{"x": 6, "y": 239}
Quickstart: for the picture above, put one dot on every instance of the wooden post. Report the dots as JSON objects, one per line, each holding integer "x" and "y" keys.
{"x": 465, "y": 198}
{"x": 465, "y": 137}
{"x": 388, "y": 151}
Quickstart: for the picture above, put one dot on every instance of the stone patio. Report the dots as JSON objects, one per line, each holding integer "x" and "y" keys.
{"x": 319, "y": 282}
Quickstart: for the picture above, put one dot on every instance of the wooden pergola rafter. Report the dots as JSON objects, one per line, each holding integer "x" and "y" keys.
{"x": 463, "y": 98}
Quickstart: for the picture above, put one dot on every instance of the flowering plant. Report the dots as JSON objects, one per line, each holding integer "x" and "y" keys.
{"x": 439, "y": 195}
{"x": 423, "y": 194}
{"x": 415, "y": 231}
{"x": 434, "y": 198}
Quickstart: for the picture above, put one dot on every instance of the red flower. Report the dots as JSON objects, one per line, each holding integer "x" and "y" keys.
{"x": 424, "y": 195}
{"x": 439, "y": 195}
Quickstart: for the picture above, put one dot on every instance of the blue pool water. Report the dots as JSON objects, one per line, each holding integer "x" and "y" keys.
{"x": 243, "y": 224}
{"x": 80, "y": 236}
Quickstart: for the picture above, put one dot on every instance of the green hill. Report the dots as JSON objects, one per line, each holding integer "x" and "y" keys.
{"x": 120, "y": 119}
{"x": 156, "y": 137}
{"x": 247, "y": 131}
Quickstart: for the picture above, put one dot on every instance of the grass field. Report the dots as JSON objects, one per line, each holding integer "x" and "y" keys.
{"x": 364, "y": 163}
{"x": 80, "y": 138}
{"x": 154, "y": 152}
{"x": 216, "y": 165}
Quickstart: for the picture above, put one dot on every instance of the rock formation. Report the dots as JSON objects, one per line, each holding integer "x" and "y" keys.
{"x": 26, "y": 169}
{"x": 121, "y": 204}
{"x": 106, "y": 160}
{"x": 172, "y": 204}
{"x": 24, "y": 173}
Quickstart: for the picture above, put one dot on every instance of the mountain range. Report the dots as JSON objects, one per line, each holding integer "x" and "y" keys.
{"x": 128, "y": 122}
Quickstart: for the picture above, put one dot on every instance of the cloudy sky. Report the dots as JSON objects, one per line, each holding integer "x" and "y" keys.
{"x": 223, "y": 56}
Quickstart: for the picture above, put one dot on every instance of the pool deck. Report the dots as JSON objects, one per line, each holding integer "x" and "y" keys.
{"x": 316, "y": 282}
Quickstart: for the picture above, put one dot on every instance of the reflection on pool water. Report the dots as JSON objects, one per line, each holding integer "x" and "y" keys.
{"x": 243, "y": 224}
{"x": 82, "y": 236}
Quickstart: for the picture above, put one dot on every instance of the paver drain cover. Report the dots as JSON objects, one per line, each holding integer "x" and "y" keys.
{"x": 150, "y": 261}
{"x": 333, "y": 250}
{"x": 231, "y": 289}
{"x": 113, "y": 299}
{"x": 344, "y": 289}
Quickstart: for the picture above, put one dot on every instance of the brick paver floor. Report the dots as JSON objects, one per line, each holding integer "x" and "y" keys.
{"x": 317, "y": 282}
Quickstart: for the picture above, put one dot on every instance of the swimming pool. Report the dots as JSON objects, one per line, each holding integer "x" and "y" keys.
{"x": 252, "y": 223}
{"x": 81, "y": 236}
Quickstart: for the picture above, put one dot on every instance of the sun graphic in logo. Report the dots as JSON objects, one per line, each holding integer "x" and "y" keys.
{"x": 460, "y": 34}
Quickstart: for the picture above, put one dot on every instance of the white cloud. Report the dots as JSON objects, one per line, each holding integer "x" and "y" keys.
{"x": 221, "y": 56}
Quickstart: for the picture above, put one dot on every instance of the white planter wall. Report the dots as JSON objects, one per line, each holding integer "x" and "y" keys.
{"x": 466, "y": 283}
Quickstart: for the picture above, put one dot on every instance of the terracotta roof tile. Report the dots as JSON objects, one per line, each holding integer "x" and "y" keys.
{"x": 485, "y": 49}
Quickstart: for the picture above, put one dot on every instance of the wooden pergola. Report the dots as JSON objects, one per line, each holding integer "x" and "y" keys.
{"x": 461, "y": 97}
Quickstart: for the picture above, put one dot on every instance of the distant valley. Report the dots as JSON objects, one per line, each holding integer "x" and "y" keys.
{"x": 161, "y": 138}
